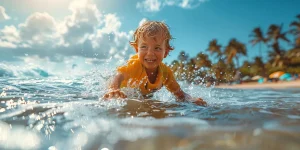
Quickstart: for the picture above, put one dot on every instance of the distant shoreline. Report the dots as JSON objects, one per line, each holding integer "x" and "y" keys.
{"x": 255, "y": 85}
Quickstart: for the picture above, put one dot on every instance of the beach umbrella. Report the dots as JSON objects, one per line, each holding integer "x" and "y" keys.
{"x": 257, "y": 77}
{"x": 261, "y": 80}
{"x": 276, "y": 74}
{"x": 286, "y": 76}
{"x": 245, "y": 78}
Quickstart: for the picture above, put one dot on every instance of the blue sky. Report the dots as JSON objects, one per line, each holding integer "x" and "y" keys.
{"x": 56, "y": 35}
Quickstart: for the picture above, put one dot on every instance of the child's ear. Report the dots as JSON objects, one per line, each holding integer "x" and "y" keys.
{"x": 134, "y": 45}
{"x": 166, "y": 53}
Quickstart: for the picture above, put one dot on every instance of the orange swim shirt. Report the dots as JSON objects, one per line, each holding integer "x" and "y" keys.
{"x": 136, "y": 77}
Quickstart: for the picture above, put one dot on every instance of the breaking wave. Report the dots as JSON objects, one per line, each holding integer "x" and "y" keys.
{"x": 15, "y": 71}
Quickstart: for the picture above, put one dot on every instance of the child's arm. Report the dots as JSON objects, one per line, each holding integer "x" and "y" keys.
{"x": 114, "y": 88}
{"x": 182, "y": 96}
{"x": 173, "y": 86}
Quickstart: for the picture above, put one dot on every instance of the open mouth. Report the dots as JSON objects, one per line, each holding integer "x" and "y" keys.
{"x": 150, "y": 60}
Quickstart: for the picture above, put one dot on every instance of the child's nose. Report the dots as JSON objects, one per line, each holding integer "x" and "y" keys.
{"x": 151, "y": 51}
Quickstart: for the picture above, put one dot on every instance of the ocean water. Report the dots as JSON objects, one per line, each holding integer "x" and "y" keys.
{"x": 54, "y": 113}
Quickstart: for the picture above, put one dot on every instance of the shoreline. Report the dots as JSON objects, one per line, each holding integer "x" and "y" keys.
{"x": 255, "y": 85}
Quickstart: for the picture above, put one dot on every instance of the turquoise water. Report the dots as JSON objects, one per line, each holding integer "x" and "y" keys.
{"x": 53, "y": 113}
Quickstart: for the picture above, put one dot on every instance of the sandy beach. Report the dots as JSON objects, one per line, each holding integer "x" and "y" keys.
{"x": 255, "y": 85}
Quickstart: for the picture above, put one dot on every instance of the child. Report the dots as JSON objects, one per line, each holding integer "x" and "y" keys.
{"x": 145, "y": 70}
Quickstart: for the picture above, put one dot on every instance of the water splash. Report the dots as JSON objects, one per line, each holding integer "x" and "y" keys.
{"x": 68, "y": 114}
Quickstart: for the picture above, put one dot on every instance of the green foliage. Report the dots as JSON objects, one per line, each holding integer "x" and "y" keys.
{"x": 293, "y": 70}
{"x": 201, "y": 69}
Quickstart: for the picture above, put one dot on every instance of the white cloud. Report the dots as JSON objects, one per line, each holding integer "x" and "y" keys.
{"x": 149, "y": 5}
{"x": 84, "y": 20}
{"x": 3, "y": 15}
{"x": 9, "y": 37}
{"x": 85, "y": 33}
{"x": 10, "y": 34}
{"x": 157, "y": 5}
{"x": 39, "y": 28}
{"x": 112, "y": 23}
{"x": 190, "y": 3}
{"x": 7, "y": 44}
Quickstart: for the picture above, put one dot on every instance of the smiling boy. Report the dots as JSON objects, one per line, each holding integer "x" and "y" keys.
{"x": 145, "y": 70}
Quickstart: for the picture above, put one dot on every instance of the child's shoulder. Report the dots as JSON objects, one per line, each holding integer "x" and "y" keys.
{"x": 166, "y": 70}
{"x": 165, "y": 67}
{"x": 133, "y": 60}
{"x": 132, "y": 64}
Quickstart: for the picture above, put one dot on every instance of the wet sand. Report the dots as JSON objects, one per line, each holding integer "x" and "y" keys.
{"x": 255, "y": 85}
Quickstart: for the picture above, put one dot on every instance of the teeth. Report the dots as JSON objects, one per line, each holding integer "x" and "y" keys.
{"x": 150, "y": 60}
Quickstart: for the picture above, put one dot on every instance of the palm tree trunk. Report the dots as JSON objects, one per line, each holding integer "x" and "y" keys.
{"x": 276, "y": 48}
{"x": 263, "y": 73}
{"x": 237, "y": 62}
{"x": 260, "y": 53}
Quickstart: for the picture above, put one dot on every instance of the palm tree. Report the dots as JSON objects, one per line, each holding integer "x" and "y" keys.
{"x": 234, "y": 49}
{"x": 275, "y": 34}
{"x": 174, "y": 65}
{"x": 245, "y": 69}
{"x": 216, "y": 69}
{"x": 215, "y": 48}
{"x": 293, "y": 56}
{"x": 258, "y": 37}
{"x": 258, "y": 63}
{"x": 296, "y": 31}
{"x": 190, "y": 73}
{"x": 219, "y": 70}
{"x": 277, "y": 49}
{"x": 183, "y": 57}
{"x": 202, "y": 60}
{"x": 223, "y": 71}
{"x": 277, "y": 59}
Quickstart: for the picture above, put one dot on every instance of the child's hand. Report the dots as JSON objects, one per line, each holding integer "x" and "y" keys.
{"x": 182, "y": 96}
{"x": 199, "y": 101}
{"x": 114, "y": 94}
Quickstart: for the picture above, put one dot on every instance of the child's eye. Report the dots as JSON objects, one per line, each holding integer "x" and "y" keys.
{"x": 157, "y": 48}
{"x": 143, "y": 47}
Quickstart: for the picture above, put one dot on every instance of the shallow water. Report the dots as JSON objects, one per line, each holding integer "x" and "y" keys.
{"x": 53, "y": 113}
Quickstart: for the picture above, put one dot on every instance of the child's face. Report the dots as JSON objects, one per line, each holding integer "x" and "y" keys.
{"x": 151, "y": 51}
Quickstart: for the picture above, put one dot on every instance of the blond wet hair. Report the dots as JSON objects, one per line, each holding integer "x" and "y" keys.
{"x": 152, "y": 29}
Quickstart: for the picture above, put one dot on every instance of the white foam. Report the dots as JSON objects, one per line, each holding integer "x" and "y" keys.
{"x": 17, "y": 137}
